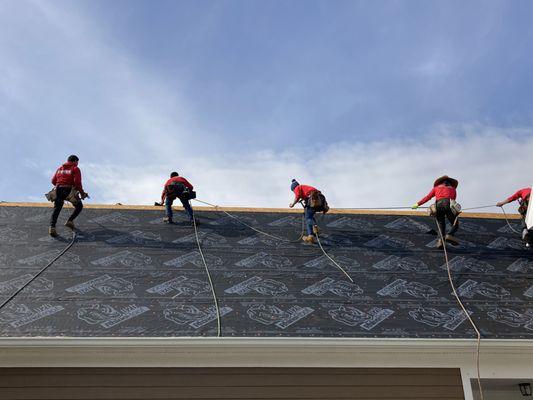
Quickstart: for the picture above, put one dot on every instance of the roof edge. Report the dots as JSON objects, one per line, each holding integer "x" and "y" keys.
{"x": 261, "y": 210}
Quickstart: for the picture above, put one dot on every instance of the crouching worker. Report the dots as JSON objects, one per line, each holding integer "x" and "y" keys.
{"x": 177, "y": 187}
{"x": 522, "y": 196}
{"x": 67, "y": 186}
{"x": 445, "y": 193}
{"x": 314, "y": 201}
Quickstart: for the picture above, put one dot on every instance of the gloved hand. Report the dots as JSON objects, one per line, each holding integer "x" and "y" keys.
{"x": 415, "y": 206}
{"x": 500, "y": 204}
{"x": 291, "y": 205}
{"x": 84, "y": 196}
{"x": 158, "y": 204}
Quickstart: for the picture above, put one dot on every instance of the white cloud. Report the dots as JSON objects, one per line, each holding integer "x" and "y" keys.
{"x": 489, "y": 163}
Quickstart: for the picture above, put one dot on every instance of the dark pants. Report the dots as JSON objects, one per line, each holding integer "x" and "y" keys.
{"x": 309, "y": 219}
{"x": 184, "y": 202}
{"x": 62, "y": 194}
{"x": 444, "y": 211}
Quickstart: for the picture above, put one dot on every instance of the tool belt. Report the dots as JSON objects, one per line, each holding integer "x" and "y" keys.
{"x": 51, "y": 195}
{"x": 454, "y": 206}
{"x": 74, "y": 197}
{"x": 317, "y": 201}
{"x": 179, "y": 190}
{"x": 522, "y": 209}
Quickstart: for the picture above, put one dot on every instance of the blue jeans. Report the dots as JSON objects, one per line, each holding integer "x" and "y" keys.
{"x": 309, "y": 219}
{"x": 185, "y": 203}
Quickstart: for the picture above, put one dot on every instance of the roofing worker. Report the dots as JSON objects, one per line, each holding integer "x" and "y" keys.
{"x": 314, "y": 201}
{"x": 522, "y": 196}
{"x": 177, "y": 187}
{"x": 444, "y": 191}
{"x": 67, "y": 186}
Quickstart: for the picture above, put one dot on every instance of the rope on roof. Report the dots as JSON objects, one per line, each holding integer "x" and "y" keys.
{"x": 478, "y": 334}
{"x": 215, "y": 299}
{"x": 73, "y": 240}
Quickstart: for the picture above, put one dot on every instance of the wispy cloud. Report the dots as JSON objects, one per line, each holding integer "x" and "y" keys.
{"x": 489, "y": 163}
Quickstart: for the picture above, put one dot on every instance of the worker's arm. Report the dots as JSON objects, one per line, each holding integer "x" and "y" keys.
{"x": 54, "y": 179}
{"x": 187, "y": 184}
{"x": 164, "y": 195}
{"x": 510, "y": 199}
{"x": 77, "y": 182}
{"x": 429, "y": 196}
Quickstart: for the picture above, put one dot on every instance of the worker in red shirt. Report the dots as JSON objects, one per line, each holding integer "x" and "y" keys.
{"x": 177, "y": 187}
{"x": 314, "y": 201}
{"x": 444, "y": 191}
{"x": 67, "y": 186}
{"x": 522, "y": 196}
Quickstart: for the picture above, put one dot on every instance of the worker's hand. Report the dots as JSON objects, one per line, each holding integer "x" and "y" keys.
{"x": 158, "y": 204}
{"x": 415, "y": 206}
{"x": 291, "y": 205}
{"x": 500, "y": 204}
{"x": 84, "y": 195}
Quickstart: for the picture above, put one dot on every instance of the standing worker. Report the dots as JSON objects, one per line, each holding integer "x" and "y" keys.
{"x": 522, "y": 196}
{"x": 177, "y": 187}
{"x": 444, "y": 191}
{"x": 314, "y": 201}
{"x": 67, "y": 186}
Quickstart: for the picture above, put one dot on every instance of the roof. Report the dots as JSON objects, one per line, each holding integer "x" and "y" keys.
{"x": 128, "y": 275}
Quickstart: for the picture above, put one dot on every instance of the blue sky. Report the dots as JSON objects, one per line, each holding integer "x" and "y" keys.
{"x": 256, "y": 92}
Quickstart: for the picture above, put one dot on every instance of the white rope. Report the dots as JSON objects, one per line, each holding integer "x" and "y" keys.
{"x": 462, "y": 306}
{"x": 74, "y": 236}
{"x": 219, "y": 333}
{"x": 508, "y": 223}
{"x": 332, "y": 260}
{"x": 280, "y": 238}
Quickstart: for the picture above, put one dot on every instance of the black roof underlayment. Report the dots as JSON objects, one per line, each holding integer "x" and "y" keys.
{"x": 129, "y": 275}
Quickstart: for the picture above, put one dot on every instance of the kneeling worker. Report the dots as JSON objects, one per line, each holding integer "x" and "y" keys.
{"x": 177, "y": 187}
{"x": 522, "y": 196}
{"x": 67, "y": 186}
{"x": 314, "y": 201}
{"x": 444, "y": 191}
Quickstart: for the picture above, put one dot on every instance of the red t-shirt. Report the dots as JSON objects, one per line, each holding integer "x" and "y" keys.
{"x": 440, "y": 192}
{"x": 176, "y": 179}
{"x": 522, "y": 194}
{"x": 68, "y": 175}
{"x": 302, "y": 192}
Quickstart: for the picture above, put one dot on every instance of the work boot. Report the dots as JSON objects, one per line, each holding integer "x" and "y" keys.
{"x": 167, "y": 220}
{"x": 440, "y": 245}
{"x": 309, "y": 239}
{"x": 316, "y": 229}
{"x": 452, "y": 240}
{"x": 70, "y": 224}
{"x": 52, "y": 231}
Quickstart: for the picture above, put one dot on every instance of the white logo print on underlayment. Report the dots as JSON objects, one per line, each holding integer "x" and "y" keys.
{"x": 433, "y": 317}
{"x": 190, "y": 315}
{"x": 44, "y": 258}
{"x": 471, "y": 288}
{"x": 182, "y": 286}
{"x": 395, "y": 263}
{"x": 10, "y": 235}
{"x": 415, "y": 289}
{"x": 126, "y": 258}
{"x": 39, "y": 285}
{"x": 352, "y": 316}
{"x": 338, "y": 288}
{"x": 513, "y": 318}
{"x": 206, "y": 239}
{"x": 115, "y": 218}
{"x": 402, "y": 224}
{"x": 263, "y": 259}
{"x": 107, "y": 316}
{"x": 105, "y": 284}
{"x": 269, "y": 314}
{"x": 324, "y": 262}
{"x": 195, "y": 258}
{"x": 20, "y": 314}
{"x": 136, "y": 237}
{"x": 267, "y": 287}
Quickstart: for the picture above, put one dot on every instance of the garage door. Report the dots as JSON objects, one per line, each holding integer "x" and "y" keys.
{"x": 229, "y": 383}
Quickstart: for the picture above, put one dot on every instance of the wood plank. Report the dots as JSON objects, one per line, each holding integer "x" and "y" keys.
{"x": 261, "y": 210}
